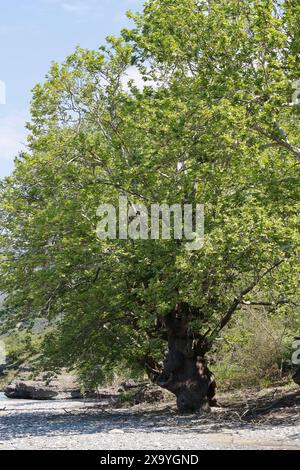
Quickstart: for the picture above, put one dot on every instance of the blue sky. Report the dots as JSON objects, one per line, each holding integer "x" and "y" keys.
{"x": 32, "y": 34}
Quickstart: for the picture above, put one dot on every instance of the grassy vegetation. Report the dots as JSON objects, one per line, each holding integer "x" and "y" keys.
{"x": 22, "y": 350}
{"x": 255, "y": 351}
{"x": 21, "y": 346}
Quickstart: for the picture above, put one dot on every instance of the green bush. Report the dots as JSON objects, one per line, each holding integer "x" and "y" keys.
{"x": 255, "y": 351}
{"x": 22, "y": 345}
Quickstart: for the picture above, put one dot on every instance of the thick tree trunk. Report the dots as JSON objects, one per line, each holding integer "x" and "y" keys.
{"x": 296, "y": 376}
{"x": 185, "y": 372}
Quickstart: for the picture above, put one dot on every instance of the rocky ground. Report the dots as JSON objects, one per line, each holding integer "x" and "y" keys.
{"x": 267, "y": 420}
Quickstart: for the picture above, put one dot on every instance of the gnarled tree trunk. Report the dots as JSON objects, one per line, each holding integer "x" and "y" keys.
{"x": 296, "y": 376}
{"x": 185, "y": 372}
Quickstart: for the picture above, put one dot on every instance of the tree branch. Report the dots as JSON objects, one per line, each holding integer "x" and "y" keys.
{"x": 282, "y": 141}
{"x": 237, "y": 301}
{"x": 271, "y": 304}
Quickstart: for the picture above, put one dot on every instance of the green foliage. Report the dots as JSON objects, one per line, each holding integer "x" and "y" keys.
{"x": 218, "y": 99}
{"x": 22, "y": 346}
{"x": 255, "y": 350}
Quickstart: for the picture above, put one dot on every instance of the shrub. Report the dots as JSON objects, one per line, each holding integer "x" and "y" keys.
{"x": 254, "y": 351}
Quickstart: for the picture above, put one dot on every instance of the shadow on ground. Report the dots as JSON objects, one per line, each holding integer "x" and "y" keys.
{"x": 23, "y": 420}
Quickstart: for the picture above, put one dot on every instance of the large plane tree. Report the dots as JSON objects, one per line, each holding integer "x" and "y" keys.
{"x": 197, "y": 104}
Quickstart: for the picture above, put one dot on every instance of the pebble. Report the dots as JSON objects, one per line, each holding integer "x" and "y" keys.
{"x": 78, "y": 424}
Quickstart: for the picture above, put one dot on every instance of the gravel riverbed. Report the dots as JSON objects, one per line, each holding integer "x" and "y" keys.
{"x": 87, "y": 425}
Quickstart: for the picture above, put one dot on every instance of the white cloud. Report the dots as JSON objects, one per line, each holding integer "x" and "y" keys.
{"x": 133, "y": 73}
{"x": 2, "y": 92}
{"x": 80, "y": 7}
{"x": 12, "y": 137}
{"x": 77, "y": 7}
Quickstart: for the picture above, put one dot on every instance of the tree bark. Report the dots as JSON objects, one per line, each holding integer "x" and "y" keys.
{"x": 185, "y": 372}
{"x": 296, "y": 376}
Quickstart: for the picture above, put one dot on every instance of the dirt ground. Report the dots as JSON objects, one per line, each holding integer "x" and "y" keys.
{"x": 245, "y": 420}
